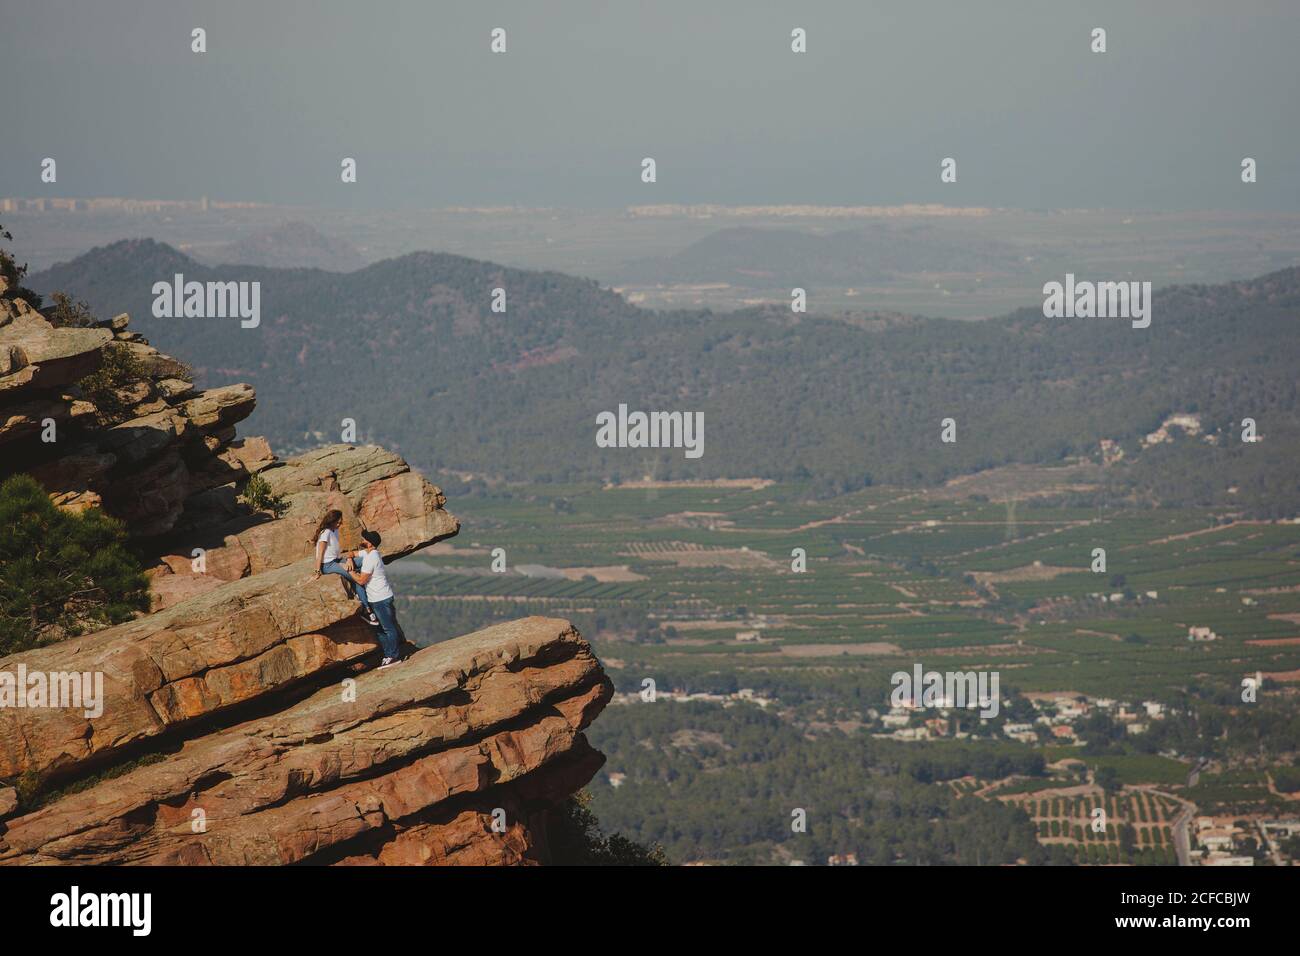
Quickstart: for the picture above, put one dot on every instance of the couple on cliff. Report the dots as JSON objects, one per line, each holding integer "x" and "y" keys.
{"x": 363, "y": 570}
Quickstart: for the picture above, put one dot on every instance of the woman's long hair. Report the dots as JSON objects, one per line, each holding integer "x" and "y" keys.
{"x": 332, "y": 517}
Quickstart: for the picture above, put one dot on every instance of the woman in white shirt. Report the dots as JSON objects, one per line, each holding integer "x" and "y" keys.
{"x": 329, "y": 560}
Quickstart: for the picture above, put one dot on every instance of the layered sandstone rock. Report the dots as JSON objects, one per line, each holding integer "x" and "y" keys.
{"x": 240, "y": 614}
{"x": 410, "y": 764}
{"x": 171, "y": 467}
{"x": 373, "y": 488}
{"x": 222, "y": 648}
{"x": 237, "y": 676}
{"x": 40, "y": 356}
{"x": 162, "y": 442}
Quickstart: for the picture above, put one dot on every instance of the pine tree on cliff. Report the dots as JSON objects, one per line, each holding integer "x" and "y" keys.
{"x": 13, "y": 274}
{"x": 61, "y": 573}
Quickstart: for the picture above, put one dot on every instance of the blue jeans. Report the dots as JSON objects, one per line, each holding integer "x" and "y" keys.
{"x": 342, "y": 569}
{"x": 388, "y": 636}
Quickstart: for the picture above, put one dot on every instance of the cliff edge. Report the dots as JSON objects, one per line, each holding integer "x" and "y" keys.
{"x": 241, "y": 720}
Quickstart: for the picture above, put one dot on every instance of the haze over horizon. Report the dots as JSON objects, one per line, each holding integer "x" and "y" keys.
{"x": 731, "y": 115}
{"x": 989, "y": 554}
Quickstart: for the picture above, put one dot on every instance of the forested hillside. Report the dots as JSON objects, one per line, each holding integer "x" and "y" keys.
{"x": 410, "y": 347}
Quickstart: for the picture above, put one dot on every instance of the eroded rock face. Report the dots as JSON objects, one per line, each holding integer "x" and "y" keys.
{"x": 51, "y": 357}
{"x": 173, "y": 468}
{"x": 373, "y": 488}
{"x": 175, "y": 665}
{"x": 141, "y": 465}
{"x": 405, "y": 766}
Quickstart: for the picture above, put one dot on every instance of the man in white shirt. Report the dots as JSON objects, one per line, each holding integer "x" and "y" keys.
{"x": 379, "y": 595}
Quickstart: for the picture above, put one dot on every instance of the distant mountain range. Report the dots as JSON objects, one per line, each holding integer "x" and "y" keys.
{"x": 411, "y": 349}
{"x": 290, "y": 245}
{"x": 768, "y": 258}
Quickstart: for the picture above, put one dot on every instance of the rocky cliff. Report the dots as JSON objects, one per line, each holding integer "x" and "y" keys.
{"x": 242, "y": 720}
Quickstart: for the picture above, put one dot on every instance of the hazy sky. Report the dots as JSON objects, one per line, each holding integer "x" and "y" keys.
{"x": 711, "y": 90}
